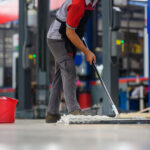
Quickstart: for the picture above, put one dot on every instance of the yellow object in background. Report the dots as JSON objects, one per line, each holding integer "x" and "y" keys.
{"x": 137, "y": 49}
{"x": 30, "y": 56}
{"x": 123, "y": 48}
{"x": 118, "y": 42}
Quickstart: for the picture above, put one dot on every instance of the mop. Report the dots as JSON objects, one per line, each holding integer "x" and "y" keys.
{"x": 81, "y": 119}
{"x": 104, "y": 86}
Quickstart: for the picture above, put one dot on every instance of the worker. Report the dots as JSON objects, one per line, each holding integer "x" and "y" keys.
{"x": 64, "y": 37}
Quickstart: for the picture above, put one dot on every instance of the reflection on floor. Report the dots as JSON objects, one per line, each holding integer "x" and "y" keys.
{"x": 37, "y": 135}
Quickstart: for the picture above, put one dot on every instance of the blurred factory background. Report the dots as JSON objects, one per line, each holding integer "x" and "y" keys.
{"x": 118, "y": 35}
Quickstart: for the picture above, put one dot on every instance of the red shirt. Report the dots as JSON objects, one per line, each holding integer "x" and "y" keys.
{"x": 76, "y": 11}
{"x": 70, "y": 12}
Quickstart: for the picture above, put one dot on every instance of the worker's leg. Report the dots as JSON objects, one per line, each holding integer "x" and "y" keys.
{"x": 68, "y": 74}
{"x": 55, "y": 94}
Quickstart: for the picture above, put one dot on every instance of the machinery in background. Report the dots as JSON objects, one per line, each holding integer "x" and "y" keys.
{"x": 111, "y": 51}
{"x": 24, "y": 109}
{"x": 43, "y": 60}
{"x": 33, "y": 60}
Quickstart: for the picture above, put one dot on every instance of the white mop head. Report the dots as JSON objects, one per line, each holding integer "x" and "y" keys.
{"x": 79, "y": 119}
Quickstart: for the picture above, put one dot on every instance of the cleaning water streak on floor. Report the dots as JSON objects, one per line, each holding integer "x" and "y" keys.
{"x": 37, "y": 135}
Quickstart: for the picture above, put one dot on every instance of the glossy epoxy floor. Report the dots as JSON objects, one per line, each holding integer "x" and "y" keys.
{"x": 37, "y": 135}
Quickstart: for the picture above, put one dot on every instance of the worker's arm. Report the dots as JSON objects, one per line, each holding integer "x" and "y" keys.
{"x": 74, "y": 38}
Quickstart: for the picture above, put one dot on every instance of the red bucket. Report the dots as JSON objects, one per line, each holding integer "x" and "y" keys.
{"x": 7, "y": 109}
{"x": 85, "y": 100}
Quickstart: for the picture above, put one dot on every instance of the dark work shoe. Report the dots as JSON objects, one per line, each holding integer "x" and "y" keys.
{"x": 50, "y": 118}
{"x": 77, "y": 112}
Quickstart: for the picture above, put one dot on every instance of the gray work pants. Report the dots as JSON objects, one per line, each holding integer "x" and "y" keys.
{"x": 64, "y": 79}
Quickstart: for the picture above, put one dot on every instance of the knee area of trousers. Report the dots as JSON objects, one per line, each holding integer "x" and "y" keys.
{"x": 70, "y": 68}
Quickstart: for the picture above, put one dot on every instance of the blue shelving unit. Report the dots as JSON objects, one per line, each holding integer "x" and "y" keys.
{"x": 140, "y": 3}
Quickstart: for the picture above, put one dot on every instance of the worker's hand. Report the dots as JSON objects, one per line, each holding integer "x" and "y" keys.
{"x": 90, "y": 56}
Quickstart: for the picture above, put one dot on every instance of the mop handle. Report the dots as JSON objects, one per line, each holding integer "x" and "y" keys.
{"x": 104, "y": 86}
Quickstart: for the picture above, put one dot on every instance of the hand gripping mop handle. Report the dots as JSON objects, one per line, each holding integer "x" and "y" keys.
{"x": 104, "y": 86}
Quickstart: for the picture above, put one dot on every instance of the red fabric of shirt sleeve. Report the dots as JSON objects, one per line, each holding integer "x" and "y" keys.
{"x": 75, "y": 13}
